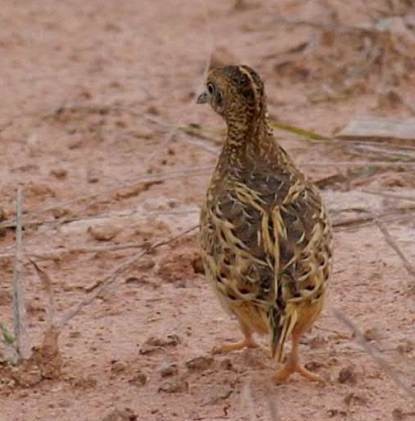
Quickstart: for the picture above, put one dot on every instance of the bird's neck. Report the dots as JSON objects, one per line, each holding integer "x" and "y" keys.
{"x": 247, "y": 136}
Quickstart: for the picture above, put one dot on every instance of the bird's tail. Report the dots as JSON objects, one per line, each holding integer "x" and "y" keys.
{"x": 282, "y": 324}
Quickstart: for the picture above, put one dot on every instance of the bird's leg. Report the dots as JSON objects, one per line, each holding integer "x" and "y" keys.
{"x": 293, "y": 364}
{"x": 247, "y": 342}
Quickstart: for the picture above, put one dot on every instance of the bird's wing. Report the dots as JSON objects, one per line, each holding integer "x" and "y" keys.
{"x": 303, "y": 234}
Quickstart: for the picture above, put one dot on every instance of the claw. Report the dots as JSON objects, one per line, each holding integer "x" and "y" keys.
{"x": 285, "y": 372}
{"x": 235, "y": 346}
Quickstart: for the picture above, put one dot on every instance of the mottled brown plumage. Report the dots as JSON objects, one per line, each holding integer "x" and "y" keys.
{"x": 265, "y": 236}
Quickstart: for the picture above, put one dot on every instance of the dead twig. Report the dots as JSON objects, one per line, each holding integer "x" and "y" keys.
{"x": 389, "y": 195}
{"x": 248, "y": 398}
{"x": 384, "y": 152}
{"x": 86, "y": 250}
{"x": 111, "y": 277}
{"x": 385, "y": 366}
{"x": 51, "y": 255}
{"x": 378, "y": 128}
{"x": 204, "y": 133}
{"x": 194, "y": 171}
{"x": 394, "y": 246}
{"x": 299, "y": 131}
{"x": 337, "y": 27}
{"x": 272, "y": 405}
{"x": 47, "y": 285}
{"x": 368, "y": 217}
{"x": 250, "y": 402}
{"x": 47, "y": 356}
{"x": 352, "y": 222}
{"x": 175, "y": 128}
{"x": 382, "y": 164}
{"x": 201, "y": 144}
{"x": 19, "y": 313}
{"x": 78, "y": 250}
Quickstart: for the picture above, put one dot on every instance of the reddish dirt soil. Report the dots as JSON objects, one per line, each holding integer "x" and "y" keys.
{"x": 94, "y": 98}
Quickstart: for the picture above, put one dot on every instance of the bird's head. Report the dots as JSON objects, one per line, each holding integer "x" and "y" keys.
{"x": 236, "y": 93}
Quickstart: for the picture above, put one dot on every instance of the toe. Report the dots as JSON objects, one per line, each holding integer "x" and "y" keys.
{"x": 310, "y": 375}
{"x": 282, "y": 375}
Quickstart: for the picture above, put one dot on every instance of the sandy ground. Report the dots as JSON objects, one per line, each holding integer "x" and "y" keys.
{"x": 93, "y": 94}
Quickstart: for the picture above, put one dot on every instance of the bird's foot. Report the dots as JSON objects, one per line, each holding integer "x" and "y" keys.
{"x": 235, "y": 346}
{"x": 289, "y": 368}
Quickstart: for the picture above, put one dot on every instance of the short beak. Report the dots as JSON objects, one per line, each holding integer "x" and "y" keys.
{"x": 203, "y": 98}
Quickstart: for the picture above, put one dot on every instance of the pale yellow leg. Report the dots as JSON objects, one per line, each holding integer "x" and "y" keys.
{"x": 293, "y": 365}
{"x": 247, "y": 342}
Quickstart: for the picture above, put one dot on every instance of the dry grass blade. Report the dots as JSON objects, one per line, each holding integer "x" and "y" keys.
{"x": 8, "y": 348}
{"x": 111, "y": 277}
{"x": 272, "y": 405}
{"x": 390, "y": 371}
{"x": 389, "y": 195}
{"x": 98, "y": 288}
{"x": 336, "y": 26}
{"x": 381, "y": 152}
{"x": 393, "y": 245}
{"x": 378, "y": 128}
{"x": 86, "y": 250}
{"x": 351, "y": 222}
{"x": 19, "y": 311}
{"x": 212, "y": 150}
{"x": 353, "y": 163}
{"x": 47, "y": 356}
{"x": 195, "y": 130}
{"x": 47, "y": 285}
{"x": 369, "y": 218}
{"x": 53, "y": 254}
{"x": 193, "y": 171}
{"x": 249, "y": 401}
{"x": 177, "y": 127}
{"x": 299, "y": 131}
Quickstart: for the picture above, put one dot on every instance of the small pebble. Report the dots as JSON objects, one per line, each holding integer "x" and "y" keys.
{"x": 118, "y": 367}
{"x": 103, "y": 232}
{"x": 126, "y": 414}
{"x": 199, "y": 363}
{"x": 372, "y": 334}
{"x": 313, "y": 365}
{"x": 147, "y": 349}
{"x": 347, "y": 375}
{"x": 405, "y": 346}
{"x": 353, "y": 398}
{"x": 92, "y": 176}
{"x": 175, "y": 385}
{"x": 226, "y": 364}
{"x": 59, "y": 173}
{"x": 168, "y": 369}
{"x": 139, "y": 379}
{"x": 170, "y": 340}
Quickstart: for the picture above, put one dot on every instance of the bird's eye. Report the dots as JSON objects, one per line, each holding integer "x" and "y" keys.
{"x": 211, "y": 88}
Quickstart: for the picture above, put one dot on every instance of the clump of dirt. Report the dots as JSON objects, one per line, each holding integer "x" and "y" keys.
{"x": 183, "y": 262}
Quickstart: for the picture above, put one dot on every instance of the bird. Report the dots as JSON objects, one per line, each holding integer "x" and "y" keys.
{"x": 265, "y": 234}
